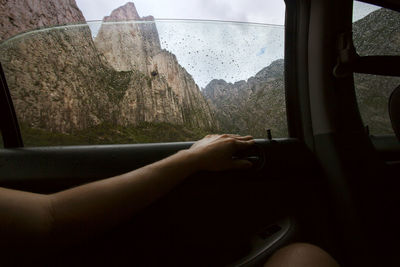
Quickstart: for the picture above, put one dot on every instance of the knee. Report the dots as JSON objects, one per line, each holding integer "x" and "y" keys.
{"x": 301, "y": 254}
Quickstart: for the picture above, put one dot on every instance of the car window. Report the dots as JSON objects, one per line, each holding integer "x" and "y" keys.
{"x": 132, "y": 79}
{"x": 376, "y": 31}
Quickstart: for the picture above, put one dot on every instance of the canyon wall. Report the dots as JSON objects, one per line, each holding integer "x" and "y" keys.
{"x": 63, "y": 81}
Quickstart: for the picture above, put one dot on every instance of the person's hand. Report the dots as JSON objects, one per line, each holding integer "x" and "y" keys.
{"x": 214, "y": 152}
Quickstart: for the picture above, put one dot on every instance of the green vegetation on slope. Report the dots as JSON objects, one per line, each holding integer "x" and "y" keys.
{"x": 111, "y": 134}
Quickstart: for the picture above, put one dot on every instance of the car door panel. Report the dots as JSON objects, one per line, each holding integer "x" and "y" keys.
{"x": 211, "y": 215}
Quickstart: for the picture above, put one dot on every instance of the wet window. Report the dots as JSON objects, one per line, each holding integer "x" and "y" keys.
{"x": 140, "y": 80}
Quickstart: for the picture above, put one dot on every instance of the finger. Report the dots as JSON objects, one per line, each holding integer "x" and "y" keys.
{"x": 244, "y": 138}
{"x": 241, "y": 164}
{"x": 233, "y": 135}
{"x": 227, "y": 136}
{"x": 244, "y": 144}
{"x": 237, "y": 136}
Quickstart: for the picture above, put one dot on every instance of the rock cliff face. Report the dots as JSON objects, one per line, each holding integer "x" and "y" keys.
{"x": 55, "y": 76}
{"x": 252, "y": 106}
{"x": 62, "y": 81}
{"x": 128, "y": 43}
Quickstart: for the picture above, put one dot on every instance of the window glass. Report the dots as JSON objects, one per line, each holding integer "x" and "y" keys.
{"x": 376, "y": 31}
{"x": 128, "y": 79}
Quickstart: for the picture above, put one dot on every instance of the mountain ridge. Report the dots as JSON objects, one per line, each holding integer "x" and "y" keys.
{"x": 251, "y": 106}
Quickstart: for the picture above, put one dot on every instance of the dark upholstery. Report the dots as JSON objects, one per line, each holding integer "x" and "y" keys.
{"x": 394, "y": 111}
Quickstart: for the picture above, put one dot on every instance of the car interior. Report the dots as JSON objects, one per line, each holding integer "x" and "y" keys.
{"x": 329, "y": 183}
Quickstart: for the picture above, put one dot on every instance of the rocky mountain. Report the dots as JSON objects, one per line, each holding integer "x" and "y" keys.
{"x": 252, "y": 106}
{"x": 63, "y": 81}
{"x": 376, "y": 34}
{"x": 171, "y": 94}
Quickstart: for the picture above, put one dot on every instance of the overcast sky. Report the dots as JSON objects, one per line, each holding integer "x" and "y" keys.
{"x": 213, "y": 50}
{"x": 262, "y": 11}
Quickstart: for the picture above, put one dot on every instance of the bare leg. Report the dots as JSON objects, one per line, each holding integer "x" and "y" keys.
{"x": 301, "y": 255}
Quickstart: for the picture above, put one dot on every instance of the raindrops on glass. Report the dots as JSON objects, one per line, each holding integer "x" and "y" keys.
{"x": 221, "y": 50}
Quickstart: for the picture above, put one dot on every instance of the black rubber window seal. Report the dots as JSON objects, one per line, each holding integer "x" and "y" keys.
{"x": 8, "y": 119}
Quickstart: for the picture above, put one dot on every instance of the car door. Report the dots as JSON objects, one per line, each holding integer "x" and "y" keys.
{"x": 210, "y": 219}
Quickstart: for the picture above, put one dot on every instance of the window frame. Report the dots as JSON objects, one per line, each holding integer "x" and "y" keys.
{"x": 296, "y": 82}
{"x": 10, "y": 129}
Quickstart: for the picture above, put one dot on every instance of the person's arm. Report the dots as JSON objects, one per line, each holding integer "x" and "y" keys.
{"x": 91, "y": 208}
